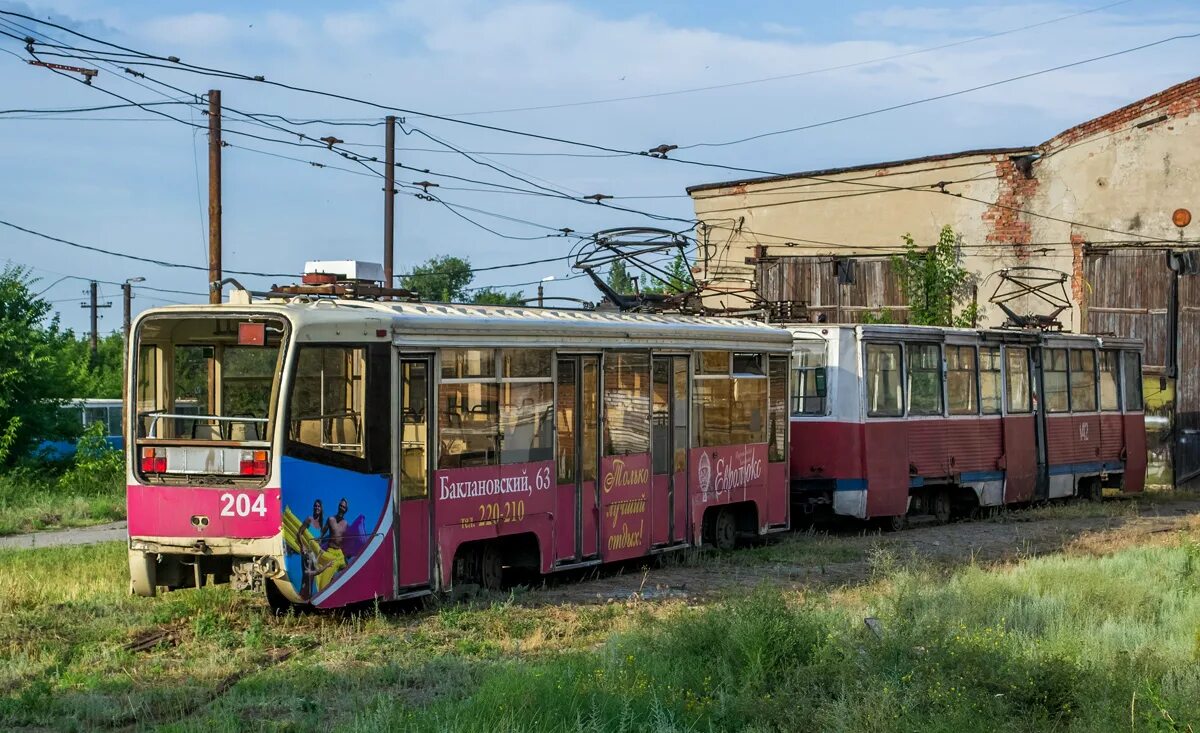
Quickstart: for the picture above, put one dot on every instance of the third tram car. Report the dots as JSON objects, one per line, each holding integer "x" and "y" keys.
{"x": 890, "y": 422}
{"x": 346, "y": 450}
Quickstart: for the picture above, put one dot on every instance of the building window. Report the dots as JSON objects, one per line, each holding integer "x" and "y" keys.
{"x": 1133, "y": 381}
{"x": 1016, "y": 371}
{"x": 989, "y": 380}
{"x": 962, "y": 380}
{"x": 885, "y": 396}
{"x": 1054, "y": 376}
{"x": 1110, "y": 371}
{"x": 924, "y": 379}
{"x": 808, "y": 379}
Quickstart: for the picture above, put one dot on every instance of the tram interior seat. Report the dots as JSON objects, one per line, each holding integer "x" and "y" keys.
{"x": 206, "y": 431}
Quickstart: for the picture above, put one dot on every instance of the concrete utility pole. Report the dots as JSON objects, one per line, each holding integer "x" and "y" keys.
{"x": 214, "y": 194}
{"x": 389, "y": 201}
{"x": 93, "y": 292}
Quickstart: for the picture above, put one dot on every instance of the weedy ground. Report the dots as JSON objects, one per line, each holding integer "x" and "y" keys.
{"x": 1103, "y": 635}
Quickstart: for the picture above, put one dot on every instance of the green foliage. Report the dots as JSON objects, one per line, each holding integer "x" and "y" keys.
{"x": 447, "y": 279}
{"x": 934, "y": 282}
{"x": 442, "y": 278}
{"x": 680, "y": 278}
{"x": 492, "y": 296}
{"x": 96, "y": 468}
{"x": 619, "y": 278}
{"x": 37, "y": 372}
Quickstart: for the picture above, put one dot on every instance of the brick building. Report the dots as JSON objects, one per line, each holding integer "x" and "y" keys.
{"x": 1095, "y": 202}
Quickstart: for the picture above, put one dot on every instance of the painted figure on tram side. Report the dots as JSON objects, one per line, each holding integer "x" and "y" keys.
{"x": 310, "y": 548}
{"x": 333, "y": 558}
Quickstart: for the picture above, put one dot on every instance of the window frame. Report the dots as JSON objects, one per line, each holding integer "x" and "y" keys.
{"x": 974, "y": 371}
{"x": 797, "y": 377}
{"x": 1137, "y": 380}
{"x": 1072, "y": 371}
{"x": 1116, "y": 378}
{"x": 1007, "y": 397}
{"x": 938, "y": 370}
{"x": 377, "y": 413}
{"x": 999, "y": 378}
{"x": 1066, "y": 372}
{"x": 900, "y": 380}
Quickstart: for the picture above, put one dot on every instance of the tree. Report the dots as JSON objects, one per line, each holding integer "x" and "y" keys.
{"x": 935, "y": 284}
{"x": 619, "y": 278}
{"x": 39, "y": 370}
{"x": 492, "y": 296}
{"x": 447, "y": 279}
{"x": 679, "y": 273}
{"x": 443, "y": 278}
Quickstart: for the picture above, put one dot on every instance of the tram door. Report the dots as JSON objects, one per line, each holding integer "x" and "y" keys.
{"x": 412, "y": 502}
{"x": 577, "y": 458}
{"x": 1042, "y": 487}
{"x": 668, "y": 449}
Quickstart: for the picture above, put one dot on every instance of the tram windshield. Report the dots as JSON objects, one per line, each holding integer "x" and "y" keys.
{"x": 207, "y": 380}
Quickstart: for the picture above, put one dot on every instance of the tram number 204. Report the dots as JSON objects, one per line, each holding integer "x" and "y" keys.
{"x": 240, "y": 505}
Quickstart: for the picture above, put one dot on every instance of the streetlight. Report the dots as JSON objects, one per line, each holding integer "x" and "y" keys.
{"x": 541, "y": 291}
{"x": 127, "y": 297}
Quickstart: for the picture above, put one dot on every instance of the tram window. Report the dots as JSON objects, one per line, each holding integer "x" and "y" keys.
{"x": 989, "y": 380}
{"x": 777, "y": 409}
{"x": 681, "y": 413}
{"x": 1083, "y": 380}
{"x": 885, "y": 396}
{"x": 566, "y": 459}
{"x": 525, "y": 363}
{"x": 247, "y": 373}
{"x": 1054, "y": 376}
{"x": 414, "y": 430}
{"x": 193, "y": 364}
{"x": 526, "y": 415}
{"x": 468, "y": 363}
{"x": 961, "y": 380}
{"x": 147, "y": 385}
{"x": 329, "y": 399}
{"x": 626, "y": 403}
{"x": 924, "y": 379}
{"x": 748, "y": 364}
{"x": 711, "y": 411}
{"x": 1016, "y": 369}
{"x": 660, "y": 417}
{"x": 468, "y": 423}
{"x": 713, "y": 362}
{"x": 1110, "y": 369}
{"x": 748, "y": 413}
{"x": 589, "y": 432}
{"x": 1133, "y": 381}
{"x": 808, "y": 379}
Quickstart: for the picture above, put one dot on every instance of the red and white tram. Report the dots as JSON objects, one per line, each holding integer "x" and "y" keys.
{"x": 347, "y": 450}
{"x": 889, "y": 422}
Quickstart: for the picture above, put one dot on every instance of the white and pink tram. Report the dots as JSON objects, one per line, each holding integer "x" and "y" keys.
{"x": 339, "y": 450}
{"x": 891, "y": 421}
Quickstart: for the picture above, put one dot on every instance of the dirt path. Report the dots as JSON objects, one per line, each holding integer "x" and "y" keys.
{"x": 1018, "y": 535}
{"x": 78, "y": 536}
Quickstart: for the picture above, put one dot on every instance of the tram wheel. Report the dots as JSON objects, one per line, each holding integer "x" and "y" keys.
{"x": 491, "y": 569}
{"x": 896, "y": 523}
{"x": 724, "y": 530}
{"x": 942, "y": 507}
{"x": 143, "y": 572}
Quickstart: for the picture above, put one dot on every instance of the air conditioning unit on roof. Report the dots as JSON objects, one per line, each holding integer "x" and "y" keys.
{"x": 319, "y": 271}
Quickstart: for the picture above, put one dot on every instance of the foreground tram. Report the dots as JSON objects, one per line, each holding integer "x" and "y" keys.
{"x": 890, "y": 422}
{"x": 338, "y": 451}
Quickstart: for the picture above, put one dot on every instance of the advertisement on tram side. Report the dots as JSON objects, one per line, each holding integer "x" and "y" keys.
{"x": 624, "y": 506}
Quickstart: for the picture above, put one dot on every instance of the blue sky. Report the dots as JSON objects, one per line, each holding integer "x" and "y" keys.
{"x": 123, "y": 180}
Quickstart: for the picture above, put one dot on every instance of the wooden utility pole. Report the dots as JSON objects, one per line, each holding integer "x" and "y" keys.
{"x": 94, "y": 306}
{"x": 214, "y": 194}
{"x": 389, "y": 201}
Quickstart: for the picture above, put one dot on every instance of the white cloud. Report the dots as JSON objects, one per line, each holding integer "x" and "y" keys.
{"x": 192, "y": 29}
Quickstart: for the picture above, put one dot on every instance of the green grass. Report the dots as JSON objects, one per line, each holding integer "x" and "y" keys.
{"x": 1072, "y": 643}
{"x": 33, "y": 499}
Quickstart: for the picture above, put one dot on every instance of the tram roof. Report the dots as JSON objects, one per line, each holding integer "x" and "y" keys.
{"x": 440, "y": 323}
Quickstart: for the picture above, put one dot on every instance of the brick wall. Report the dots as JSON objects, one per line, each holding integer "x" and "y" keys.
{"x": 1004, "y": 222}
